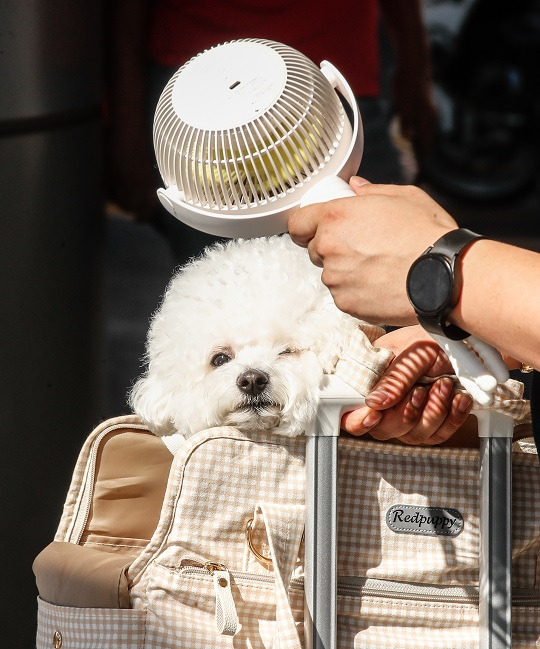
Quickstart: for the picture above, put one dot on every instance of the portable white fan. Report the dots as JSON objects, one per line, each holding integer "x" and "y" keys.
{"x": 245, "y": 129}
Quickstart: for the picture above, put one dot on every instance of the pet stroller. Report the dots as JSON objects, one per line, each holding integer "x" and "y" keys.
{"x": 495, "y": 579}
{"x": 205, "y": 549}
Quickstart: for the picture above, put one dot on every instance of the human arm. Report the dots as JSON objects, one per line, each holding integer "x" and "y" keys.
{"x": 500, "y": 298}
{"x": 366, "y": 245}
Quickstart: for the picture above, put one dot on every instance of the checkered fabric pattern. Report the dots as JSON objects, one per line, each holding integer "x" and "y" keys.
{"x": 81, "y": 628}
{"x": 284, "y": 526}
{"x": 221, "y": 478}
{"x": 373, "y": 623}
{"x": 359, "y": 363}
{"x": 204, "y": 519}
{"x": 374, "y": 476}
{"x": 508, "y": 399}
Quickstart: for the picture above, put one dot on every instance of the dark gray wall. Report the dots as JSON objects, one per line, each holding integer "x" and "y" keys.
{"x": 51, "y": 354}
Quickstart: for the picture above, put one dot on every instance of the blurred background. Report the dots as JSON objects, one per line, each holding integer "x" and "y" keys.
{"x": 86, "y": 253}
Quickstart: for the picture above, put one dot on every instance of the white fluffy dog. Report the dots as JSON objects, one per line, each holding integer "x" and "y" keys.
{"x": 242, "y": 338}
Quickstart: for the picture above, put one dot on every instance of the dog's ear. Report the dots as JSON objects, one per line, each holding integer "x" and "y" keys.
{"x": 152, "y": 405}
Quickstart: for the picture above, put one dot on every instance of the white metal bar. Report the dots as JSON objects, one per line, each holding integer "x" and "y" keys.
{"x": 495, "y": 431}
{"x": 321, "y": 532}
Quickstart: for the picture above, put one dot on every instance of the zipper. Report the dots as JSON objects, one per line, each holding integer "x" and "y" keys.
{"x": 85, "y": 504}
{"x": 196, "y": 567}
{"x": 358, "y": 586}
{"x": 227, "y": 623}
{"x": 362, "y": 586}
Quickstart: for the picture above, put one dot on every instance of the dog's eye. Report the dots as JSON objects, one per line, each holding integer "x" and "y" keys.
{"x": 289, "y": 350}
{"x": 219, "y": 359}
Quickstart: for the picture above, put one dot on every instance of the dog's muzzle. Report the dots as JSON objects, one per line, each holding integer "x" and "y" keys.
{"x": 252, "y": 382}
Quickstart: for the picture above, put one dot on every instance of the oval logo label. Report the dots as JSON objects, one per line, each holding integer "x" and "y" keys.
{"x": 428, "y": 521}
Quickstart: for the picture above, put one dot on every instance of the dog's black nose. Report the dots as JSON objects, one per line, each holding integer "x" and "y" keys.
{"x": 252, "y": 382}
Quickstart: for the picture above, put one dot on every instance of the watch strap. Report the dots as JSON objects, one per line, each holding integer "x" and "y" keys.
{"x": 451, "y": 245}
{"x": 442, "y": 328}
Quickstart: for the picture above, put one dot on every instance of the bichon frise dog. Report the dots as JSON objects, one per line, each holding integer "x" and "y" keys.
{"x": 242, "y": 338}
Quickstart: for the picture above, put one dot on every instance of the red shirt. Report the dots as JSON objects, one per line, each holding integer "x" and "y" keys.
{"x": 343, "y": 32}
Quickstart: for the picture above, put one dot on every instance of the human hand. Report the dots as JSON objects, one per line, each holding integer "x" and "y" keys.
{"x": 367, "y": 243}
{"x": 398, "y": 407}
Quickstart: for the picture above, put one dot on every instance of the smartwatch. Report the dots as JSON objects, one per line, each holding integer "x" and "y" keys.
{"x": 434, "y": 282}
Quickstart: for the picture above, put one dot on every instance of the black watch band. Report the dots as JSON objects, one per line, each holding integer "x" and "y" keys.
{"x": 434, "y": 282}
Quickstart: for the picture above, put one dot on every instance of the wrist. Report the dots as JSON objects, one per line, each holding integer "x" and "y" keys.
{"x": 434, "y": 283}
{"x": 472, "y": 264}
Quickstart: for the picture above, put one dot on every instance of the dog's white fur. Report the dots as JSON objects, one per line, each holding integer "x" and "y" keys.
{"x": 262, "y": 304}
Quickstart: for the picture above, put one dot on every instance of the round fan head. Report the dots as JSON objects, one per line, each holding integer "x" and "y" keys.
{"x": 243, "y": 130}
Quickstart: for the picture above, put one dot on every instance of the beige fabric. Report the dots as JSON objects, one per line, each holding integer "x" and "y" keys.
{"x": 221, "y": 478}
{"x": 373, "y": 477}
{"x": 78, "y": 575}
{"x": 110, "y": 514}
{"x": 377, "y": 623}
{"x": 284, "y": 527}
{"x": 508, "y": 399}
{"x": 82, "y": 628}
{"x": 359, "y": 363}
{"x": 131, "y": 478}
{"x": 130, "y": 467}
{"x": 372, "y": 332}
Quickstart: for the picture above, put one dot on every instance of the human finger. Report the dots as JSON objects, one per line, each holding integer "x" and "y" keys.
{"x": 357, "y": 182}
{"x": 361, "y": 186}
{"x": 394, "y": 422}
{"x": 360, "y": 421}
{"x": 407, "y": 196}
{"x": 434, "y": 413}
{"x": 399, "y": 340}
{"x": 415, "y": 361}
{"x": 459, "y": 411}
{"x": 314, "y": 255}
{"x": 303, "y": 223}
{"x": 443, "y": 414}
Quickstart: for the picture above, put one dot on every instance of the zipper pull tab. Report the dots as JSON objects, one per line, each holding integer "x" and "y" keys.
{"x": 226, "y": 616}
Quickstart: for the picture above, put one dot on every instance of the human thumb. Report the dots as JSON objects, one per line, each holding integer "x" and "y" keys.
{"x": 356, "y": 182}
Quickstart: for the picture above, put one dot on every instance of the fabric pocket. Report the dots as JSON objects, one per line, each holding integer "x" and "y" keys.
{"x": 80, "y": 576}
{"x": 417, "y": 617}
{"x": 80, "y": 628}
{"x": 183, "y": 610}
{"x": 201, "y": 604}
{"x": 379, "y": 614}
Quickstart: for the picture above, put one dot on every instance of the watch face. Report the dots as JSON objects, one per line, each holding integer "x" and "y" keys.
{"x": 430, "y": 283}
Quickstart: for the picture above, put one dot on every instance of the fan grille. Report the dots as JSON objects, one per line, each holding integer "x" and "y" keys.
{"x": 261, "y": 160}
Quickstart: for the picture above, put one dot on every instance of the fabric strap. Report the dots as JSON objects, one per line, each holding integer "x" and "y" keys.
{"x": 284, "y": 528}
{"x": 226, "y": 616}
